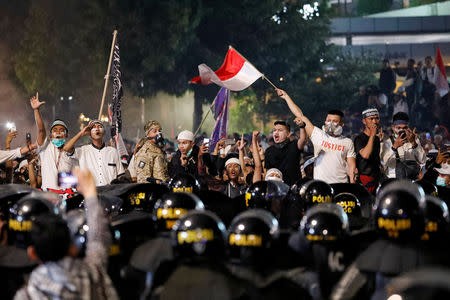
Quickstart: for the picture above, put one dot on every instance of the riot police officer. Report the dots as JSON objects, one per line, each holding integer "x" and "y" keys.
{"x": 199, "y": 243}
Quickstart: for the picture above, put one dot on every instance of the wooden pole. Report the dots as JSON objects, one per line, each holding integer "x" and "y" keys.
{"x": 263, "y": 76}
{"x": 107, "y": 73}
{"x": 204, "y": 118}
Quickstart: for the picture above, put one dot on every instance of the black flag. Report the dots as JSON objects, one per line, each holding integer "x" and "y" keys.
{"x": 116, "y": 120}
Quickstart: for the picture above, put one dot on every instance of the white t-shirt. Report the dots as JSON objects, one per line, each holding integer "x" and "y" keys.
{"x": 331, "y": 155}
{"x": 53, "y": 161}
{"x": 104, "y": 163}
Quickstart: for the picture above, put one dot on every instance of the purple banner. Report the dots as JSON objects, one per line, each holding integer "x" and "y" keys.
{"x": 221, "y": 112}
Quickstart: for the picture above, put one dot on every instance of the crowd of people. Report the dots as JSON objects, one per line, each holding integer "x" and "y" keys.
{"x": 312, "y": 212}
{"x": 417, "y": 96}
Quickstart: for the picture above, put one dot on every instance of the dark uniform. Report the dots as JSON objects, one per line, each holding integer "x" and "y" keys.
{"x": 331, "y": 254}
{"x": 199, "y": 239}
{"x": 399, "y": 219}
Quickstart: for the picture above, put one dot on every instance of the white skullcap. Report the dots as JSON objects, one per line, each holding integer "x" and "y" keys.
{"x": 232, "y": 160}
{"x": 22, "y": 164}
{"x": 273, "y": 171}
{"x": 186, "y": 135}
{"x": 444, "y": 170}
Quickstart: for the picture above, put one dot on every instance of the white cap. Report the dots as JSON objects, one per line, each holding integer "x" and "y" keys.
{"x": 22, "y": 164}
{"x": 186, "y": 135}
{"x": 273, "y": 171}
{"x": 444, "y": 169}
{"x": 232, "y": 160}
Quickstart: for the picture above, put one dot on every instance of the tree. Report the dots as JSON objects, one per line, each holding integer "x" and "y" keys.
{"x": 65, "y": 48}
{"x": 337, "y": 85}
{"x": 280, "y": 38}
{"x": 60, "y": 57}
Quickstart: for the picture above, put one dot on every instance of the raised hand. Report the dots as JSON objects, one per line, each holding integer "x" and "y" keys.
{"x": 241, "y": 143}
{"x": 411, "y": 135}
{"x": 399, "y": 141}
{"x": 86, "y": 182}
{"x": 442, "y": 157}
{"x": 380, "y": 134}
{"x": 35, "y": 103}
{"x": 298, "y": 121}
{"x": 10, "y": 136}
{"x": 204, "y": 148}
{"x": 87, "y": 130}
{"x": 281, "y": 93}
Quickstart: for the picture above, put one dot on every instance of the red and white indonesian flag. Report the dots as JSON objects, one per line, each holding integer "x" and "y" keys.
{"x": 441, "y": 76}
{"x": 235, "y": 74}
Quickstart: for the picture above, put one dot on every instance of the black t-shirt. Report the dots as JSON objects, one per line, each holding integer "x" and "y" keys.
{"x": 286, "y": 159}
{"x": 371, "y": 166}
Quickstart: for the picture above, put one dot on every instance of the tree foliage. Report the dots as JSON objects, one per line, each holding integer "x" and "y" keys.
{"x": 65, "y": 47}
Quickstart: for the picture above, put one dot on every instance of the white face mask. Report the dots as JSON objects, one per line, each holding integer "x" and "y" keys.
{"x": 332, "y": 128}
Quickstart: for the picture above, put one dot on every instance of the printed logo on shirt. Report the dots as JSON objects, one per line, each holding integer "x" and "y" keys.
{"x": 141, "y": 164}
{"x": 332, "y": 146}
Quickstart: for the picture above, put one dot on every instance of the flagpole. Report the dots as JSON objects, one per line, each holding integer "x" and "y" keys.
{"x": 107, "y": 73}
{"x": 204, "y": 119}
{"x": 209, "y": 110}
{"x": 263, "y": 76}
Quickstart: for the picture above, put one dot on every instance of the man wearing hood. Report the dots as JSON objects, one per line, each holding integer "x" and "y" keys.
{"x": 334, "y": 154}
{"x": 50, "y": 148}
{"x": 102, "y": 161}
